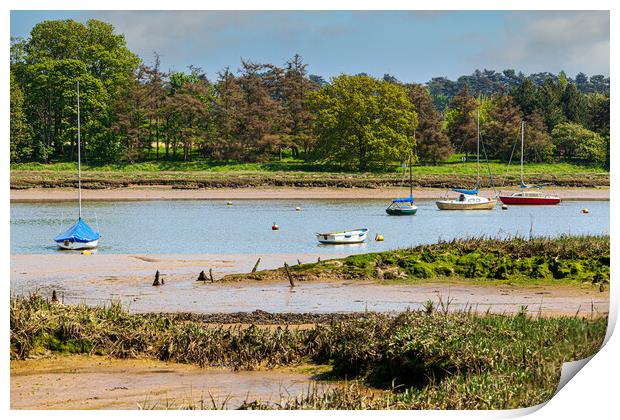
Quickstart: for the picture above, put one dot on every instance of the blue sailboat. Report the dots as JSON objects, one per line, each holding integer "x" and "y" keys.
{"x": 80, "y": 235}
{"x": 404, "y": 206}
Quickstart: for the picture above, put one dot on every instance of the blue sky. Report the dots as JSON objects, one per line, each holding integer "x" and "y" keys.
{"x": 413, "y": 46}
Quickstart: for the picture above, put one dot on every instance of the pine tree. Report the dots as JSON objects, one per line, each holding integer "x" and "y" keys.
{"x": 461, "y": 122}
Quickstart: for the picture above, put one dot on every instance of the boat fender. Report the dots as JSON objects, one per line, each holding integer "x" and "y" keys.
{"x": 275, "y": 227}
{"x": 229, "y": 203}
{"x": 379, "y": 238}
{"x": 297, "y": 208}
{"x": 504, "y": 207}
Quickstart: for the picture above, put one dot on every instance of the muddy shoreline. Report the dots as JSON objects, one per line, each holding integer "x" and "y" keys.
{"x": 266, "y": 193}
{"x": 101, "y": 278}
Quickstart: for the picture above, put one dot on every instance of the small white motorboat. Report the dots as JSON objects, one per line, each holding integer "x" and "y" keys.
{"x": 354, "y": 236}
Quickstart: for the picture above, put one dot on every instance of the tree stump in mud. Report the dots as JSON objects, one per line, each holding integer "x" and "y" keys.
{"x": 202, "y": 276}
{"x": 298, "y": 262}
{"x": 288, "y": 274}
{"x": 256, "y": 266}
{"x": 211, "y": 275}
{"x": 54, "y": 297}
{"x": 156, "y": 282}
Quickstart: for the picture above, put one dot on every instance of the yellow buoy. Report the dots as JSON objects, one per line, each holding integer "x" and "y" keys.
{"x": 86, "y": 252}
{"x": 585, "y": 211}
{"x": 379, "y": 237}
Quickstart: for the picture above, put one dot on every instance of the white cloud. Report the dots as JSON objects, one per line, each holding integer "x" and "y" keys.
{"x": 553, "y": 41}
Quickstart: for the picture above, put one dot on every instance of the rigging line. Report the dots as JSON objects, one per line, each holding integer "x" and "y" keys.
{"x": 514, "y": 146}
{"x": 488, "y": 166}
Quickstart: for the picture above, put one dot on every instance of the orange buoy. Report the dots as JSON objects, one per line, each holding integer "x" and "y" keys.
{"x": 275, "y": 227}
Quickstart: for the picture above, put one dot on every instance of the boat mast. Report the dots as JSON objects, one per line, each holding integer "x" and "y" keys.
{"x": 78, "y": 153}
{"x": 522, "y": 136}
{"x": 410, "y": 180}
{"x": 478, "y": 151}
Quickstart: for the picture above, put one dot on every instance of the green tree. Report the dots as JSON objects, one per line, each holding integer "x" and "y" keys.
{"x": 573, "y": 104}
{"x": 575, "y": 141}
{"x": 501, "y": 132}
{"x": 361, "y": 122}
{"x": 538, "y": 144}
{"x": 549, "y": 103}
{"x": 461, "y": 125}
{"x": 525, "y": 97}
{"x": 20, "y": 131}
{"x": 432, "y": 144}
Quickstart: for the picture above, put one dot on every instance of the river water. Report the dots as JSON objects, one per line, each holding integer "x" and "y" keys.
{"x": 204, "y": 226}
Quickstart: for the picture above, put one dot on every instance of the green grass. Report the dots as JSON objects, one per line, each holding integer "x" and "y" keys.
{"x": 422, "y": 360}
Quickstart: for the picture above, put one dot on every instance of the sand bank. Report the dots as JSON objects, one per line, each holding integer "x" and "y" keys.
{"x": 167, "y": 193}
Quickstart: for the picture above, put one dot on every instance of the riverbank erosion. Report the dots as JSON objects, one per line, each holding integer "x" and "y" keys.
{"x": 162, "y": 192}
{"x": 432, "y": 358}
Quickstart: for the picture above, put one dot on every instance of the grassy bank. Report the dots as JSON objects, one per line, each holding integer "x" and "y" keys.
{"x": 426, "y": 359}
{"x": 204, "y": 174}
{"x": 563, "y": 260}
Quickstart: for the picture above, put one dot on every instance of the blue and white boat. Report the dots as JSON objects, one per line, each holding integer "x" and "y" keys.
{"x": 354, "y": 236}
{"x": 80, "y": 235}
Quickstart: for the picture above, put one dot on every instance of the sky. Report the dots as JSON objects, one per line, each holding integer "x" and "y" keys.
{"x": 413, "y": 46}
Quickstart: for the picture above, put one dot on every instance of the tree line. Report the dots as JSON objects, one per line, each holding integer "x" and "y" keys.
{"x": 134, "y": 111}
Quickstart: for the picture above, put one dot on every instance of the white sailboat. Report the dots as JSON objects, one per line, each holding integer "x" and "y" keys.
{"x": 80, "y": 235}
{"x": 469, "y": 199}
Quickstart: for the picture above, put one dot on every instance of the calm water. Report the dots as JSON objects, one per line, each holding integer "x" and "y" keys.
{"x": 245, "y": 227}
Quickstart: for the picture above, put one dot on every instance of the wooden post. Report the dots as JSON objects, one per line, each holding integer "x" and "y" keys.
{"x": 318, "y": 260}
{"x": 202, "y": 276}
{"x": 256, "y": 266}
{"x": 288, "y": 274}
{"x": 156, "y": 281}
{"x": 54, "y": 297}
{"x": 298, "y": 262}
{"x": 211, "y": 275}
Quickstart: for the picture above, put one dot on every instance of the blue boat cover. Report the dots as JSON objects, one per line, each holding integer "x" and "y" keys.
{"x": 79, "y": 232}
{"x": 403, "y": 200}
{"x": 462, "y": 191}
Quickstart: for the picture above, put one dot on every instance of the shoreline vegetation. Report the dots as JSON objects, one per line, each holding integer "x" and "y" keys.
{"x": 201, "y": 174}
{"x": 426, "y": 359}
{"x": 576, "y": 260}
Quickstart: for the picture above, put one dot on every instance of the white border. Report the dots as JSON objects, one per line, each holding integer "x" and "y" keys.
{"x": 591, "y": 394}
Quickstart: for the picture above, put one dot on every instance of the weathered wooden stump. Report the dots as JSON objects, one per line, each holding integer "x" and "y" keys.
{"x": 54, "y": 297}
{"x": 211, "y": 275}
{"x": 298, "y": 262}
{"x": 288, "y": 274}
{"x": 202, "y": 276}
{"x": 156, "y": 282}
{"x": 256, "y": 266}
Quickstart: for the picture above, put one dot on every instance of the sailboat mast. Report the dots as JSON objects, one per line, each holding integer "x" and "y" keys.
{"x": 522, "y": 137}
{"x": 478, "y": 151}
{"x": 410, "y": 179}
{"x": 78, "y": 153}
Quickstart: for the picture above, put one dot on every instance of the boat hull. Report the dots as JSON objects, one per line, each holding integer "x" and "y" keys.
{"x": 455, "y": 205}
{"x": 530, "y": 201}
{"x": 345, "y": 237}
{"x": 77, "y": 245}
{"x": 401, "y": 212}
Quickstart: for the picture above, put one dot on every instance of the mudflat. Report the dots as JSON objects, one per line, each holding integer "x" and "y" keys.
{"x": 102, "y": 278}
{"x": 98, "y": 382}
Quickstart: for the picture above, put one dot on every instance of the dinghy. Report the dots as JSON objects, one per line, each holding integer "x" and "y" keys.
{"x": 525, "y": 197}
{"x": 80, "y": 235}
{"x": 354, "y": 236}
